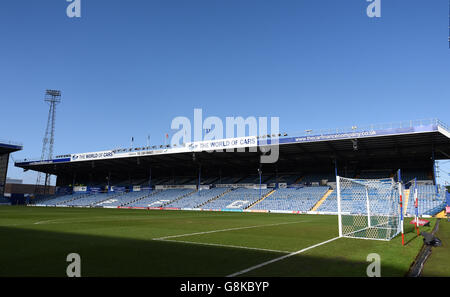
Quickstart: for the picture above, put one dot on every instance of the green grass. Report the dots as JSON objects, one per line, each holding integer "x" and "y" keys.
{"x": 36, "y": 241}
{"x": 438, "y": 264}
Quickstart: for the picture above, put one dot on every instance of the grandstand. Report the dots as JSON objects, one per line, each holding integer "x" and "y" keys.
{"x": 6, "y": 148}
{"x": 431, "y": 200}
{"x": 293, "y": 199}
{"x": 302, "y": 180}
{"x": 186, "y": 212}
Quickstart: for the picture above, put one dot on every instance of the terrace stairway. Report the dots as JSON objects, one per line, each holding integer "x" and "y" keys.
{"x": 406, "y": 199}
{"x": 109, "y": 197}
{"x": 258, "y": 201}
{"x": 142, "y": 197}
{"x": 298, "y": 180}
{"x": 179, "y": 198}
{"x": 73, "y": 199}
{"x": 215, "y": 198}
{"x": 322, "y": 200}
{"x": 441, "y": 215}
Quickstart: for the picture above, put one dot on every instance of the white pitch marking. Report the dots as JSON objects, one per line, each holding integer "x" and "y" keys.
{"x": 224, "y": 245}
{"x": 106, "y": 218}
{"x": 224, "y": 230}
{"x": 280, "y": 258}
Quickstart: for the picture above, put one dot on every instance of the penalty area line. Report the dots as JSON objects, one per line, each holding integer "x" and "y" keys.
{"x": 225, "y": 230}
{"x": 223, "y": 245}
{"x": 280, "y": 258}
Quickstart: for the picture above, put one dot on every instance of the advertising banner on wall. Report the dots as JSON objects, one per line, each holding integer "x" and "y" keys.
{"x": 92, "y": 156}
{"x": 222, "y": 144}
{"x": 80, "y": 189}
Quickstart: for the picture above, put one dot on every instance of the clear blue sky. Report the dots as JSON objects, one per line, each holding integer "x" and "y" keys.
{"x": 127, "y": 68}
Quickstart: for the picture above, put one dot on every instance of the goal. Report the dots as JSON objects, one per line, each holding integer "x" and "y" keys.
{"x": 369, "y": 208}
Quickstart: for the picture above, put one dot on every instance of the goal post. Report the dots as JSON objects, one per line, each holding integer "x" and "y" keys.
{"x": 368, "y": 208}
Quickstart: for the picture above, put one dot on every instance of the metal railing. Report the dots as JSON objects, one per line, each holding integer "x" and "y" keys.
{"x": 2, "y": 141}
{"x": 372, "y": 127}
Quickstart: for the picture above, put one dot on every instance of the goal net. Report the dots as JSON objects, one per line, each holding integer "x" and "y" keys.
{"x": 368, "y": 208}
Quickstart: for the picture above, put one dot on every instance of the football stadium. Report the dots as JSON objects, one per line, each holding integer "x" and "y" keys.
{"x": 332, "y": 200}
{"x": 6, "y": 149}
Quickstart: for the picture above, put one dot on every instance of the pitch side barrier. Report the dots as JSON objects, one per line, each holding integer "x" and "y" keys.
{"x": 229, "y": 210}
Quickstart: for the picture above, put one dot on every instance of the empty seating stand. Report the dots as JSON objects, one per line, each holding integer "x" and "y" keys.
{"x": 61, "y": 200}
{"x": 123, "y": 199}
{"x": 431, "y": 200}
{"x": 238, "y": 198}
{"x": 292, "y": 199}
{"x": 197, "y": 199}
{"x": 161, "y": 198}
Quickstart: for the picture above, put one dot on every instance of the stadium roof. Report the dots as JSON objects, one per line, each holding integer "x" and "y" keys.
{"x": 412, "y": 144}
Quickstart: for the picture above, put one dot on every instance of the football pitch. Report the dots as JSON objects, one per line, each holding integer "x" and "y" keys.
{"x": 35, "y": 241}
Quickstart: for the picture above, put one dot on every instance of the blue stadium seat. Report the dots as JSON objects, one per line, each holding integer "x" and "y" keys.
{"x": 295, "y": 199}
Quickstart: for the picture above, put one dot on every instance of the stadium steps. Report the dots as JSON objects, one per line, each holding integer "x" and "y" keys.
{"x": 298, "y": 180}
{"x": 37, "y": 200}
{"x": 322, "y": 200}
{"x": 140, "y": 198}
{"x": 179, "y": 198}
{"x": 110, "y": 197}
{"x": 73, "y": 199}
{"x": 215, "y": 198}
{"x": 406, "y": 193}
{"x": 264, "y": 197}
{"x": 441, "y": 215}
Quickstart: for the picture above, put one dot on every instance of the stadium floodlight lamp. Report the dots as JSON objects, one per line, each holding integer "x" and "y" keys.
{"x": 285, "y": 134}
{"x": 354, "y": 127}
{"x": 268, "y": 136}
{"x": 54, "y": 93}
{"x": 308, "y": 131}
